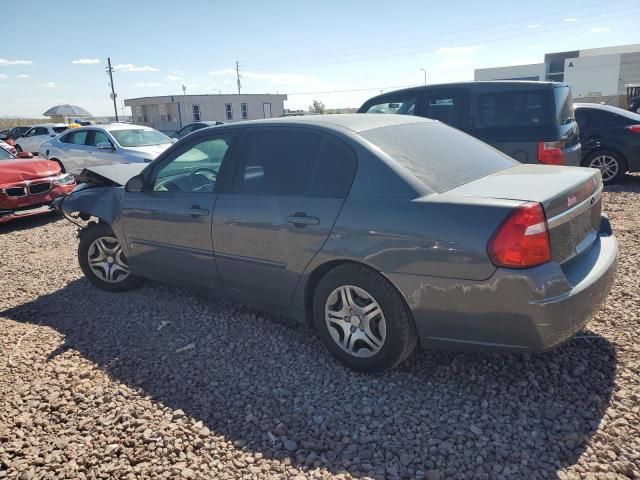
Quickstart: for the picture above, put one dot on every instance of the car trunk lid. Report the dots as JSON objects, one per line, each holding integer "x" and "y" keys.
{"x": 571, "y": 198}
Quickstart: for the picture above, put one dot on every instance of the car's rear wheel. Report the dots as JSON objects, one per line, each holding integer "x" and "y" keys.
{"x": 611, "y": 165}
{"x": 362, "y": 319}
{"x": 102, "y": 260}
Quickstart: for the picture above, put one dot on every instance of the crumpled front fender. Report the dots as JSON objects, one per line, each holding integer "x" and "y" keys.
{"x": 101, "y": 202}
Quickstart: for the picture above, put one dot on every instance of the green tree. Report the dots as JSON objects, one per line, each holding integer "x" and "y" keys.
{"x": 318, "y": 107}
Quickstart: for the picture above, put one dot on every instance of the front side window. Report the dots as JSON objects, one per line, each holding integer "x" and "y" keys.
{"x": 76, "y": 138}
{"x": 139, "y": 137}
{"x": 401, "y": 106}
{"x": 39, "y": 131}
{"x": 99, "y": 137}
{"x": 196, "y": 113}
{"x": 229, "y": 111}
{"x": 195, "y": 170}
{"x": 245, "y": 111}
{"x": 445, "y": 107}
{"x": 294, "y": 163}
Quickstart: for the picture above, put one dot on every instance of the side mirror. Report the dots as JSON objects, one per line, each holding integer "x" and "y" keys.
{"x": 135, "y": 184}
{"x": 104, "y": 146}
{"x": 24, "y": 155}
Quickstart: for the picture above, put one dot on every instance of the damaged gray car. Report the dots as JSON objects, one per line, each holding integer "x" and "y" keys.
{"x": 384, "y": 232}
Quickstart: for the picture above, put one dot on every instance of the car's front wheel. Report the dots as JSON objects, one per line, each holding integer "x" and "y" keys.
{"x": 611, "y": 165}
{"x": 102, "y": 260}
{"x": 362, "y": 319}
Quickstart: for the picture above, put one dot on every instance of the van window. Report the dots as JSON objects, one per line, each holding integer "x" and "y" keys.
{"x": 564, "y": 105}
{"x": 445, "y": 107}
{"x": 512, "y": 109}
{"x": 404, "y": 106}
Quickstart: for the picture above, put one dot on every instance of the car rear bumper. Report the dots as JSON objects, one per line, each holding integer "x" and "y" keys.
{"x": 573, "y": 155}
{"x": 514, "y": 310}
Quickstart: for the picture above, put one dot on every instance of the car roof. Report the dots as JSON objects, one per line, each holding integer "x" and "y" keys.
{"x": 50, "y": 124}
{"x": 355, "y": 122}
{"x": 114, "y": 126}
{"x": 599, "y": 106}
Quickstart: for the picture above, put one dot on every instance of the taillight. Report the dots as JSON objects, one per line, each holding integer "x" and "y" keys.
{"x": 634, "y": 128}
{"x": 522, "y": 240}
{"x": 550, "y": 153}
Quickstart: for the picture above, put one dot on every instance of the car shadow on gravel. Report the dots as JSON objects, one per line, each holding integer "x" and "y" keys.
{"x": 630, "y": 183}
{"x": 271, "y": 388}
{"x": 27, "y": 223}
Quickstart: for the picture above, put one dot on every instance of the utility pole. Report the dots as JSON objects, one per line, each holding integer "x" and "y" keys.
{"x": 113, "y": 90}
{"x": 238, "y": 76}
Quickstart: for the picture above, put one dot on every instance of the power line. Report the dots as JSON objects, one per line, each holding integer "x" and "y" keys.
{"x": 343, "y": 52}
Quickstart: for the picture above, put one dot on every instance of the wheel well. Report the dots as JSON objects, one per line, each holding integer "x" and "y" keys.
{"x": 59, "y": 163}
{"x": 321, "y": 271}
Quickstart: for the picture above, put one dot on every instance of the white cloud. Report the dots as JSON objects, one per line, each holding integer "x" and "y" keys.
{"x": 456, "y": 50}
{"x": 4, "y": 62}
{"x": 600, "y": 29}
{"x": 275, "y": 78}
{"x": 174, "y": 78}
{"x": 22, "y": 75}
{"x": 177, "y": 72}
{"x": 147, "y": 84}
{"x": 50, "y": 85}
{"x": 86, "y": 61}
{"x": 2, "y": 75}
{"x": 571, "y": 19}
{"x": 128, "y": 67}
{"x": 534, "y": 25}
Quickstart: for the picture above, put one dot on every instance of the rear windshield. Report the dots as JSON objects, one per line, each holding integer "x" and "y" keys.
{"x": 60, "y": 129}
{"x": 440, "y": 156}
{"x": 526, "y": 108}
{"x": 564, "y": 105}
{"x": 139, "y": 137}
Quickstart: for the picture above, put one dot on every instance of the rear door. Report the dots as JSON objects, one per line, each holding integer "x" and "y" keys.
{"x": 288, "y": 189}
{"x": 168, "y": 226}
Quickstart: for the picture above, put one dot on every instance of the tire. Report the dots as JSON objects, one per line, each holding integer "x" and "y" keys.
{"x": 107, "y": 272}
{"x": 606, "y": 160}
{"x": 374, "y": 345}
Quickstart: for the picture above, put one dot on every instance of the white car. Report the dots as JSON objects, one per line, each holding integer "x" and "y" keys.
{"x": 97, "y": 145}
{"x": 33, "y": 138}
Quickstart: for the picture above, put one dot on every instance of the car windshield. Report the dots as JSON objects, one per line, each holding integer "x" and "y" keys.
{"x": 138, "y": 137}
{"x": 60, "y": 129}
{"x": 438, "y": 155}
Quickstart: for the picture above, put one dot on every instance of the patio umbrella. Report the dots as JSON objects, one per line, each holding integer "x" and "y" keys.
{"x": 67, "y": 111}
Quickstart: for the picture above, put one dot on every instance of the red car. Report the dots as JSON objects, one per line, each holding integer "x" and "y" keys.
{"x": 28, "y": 185}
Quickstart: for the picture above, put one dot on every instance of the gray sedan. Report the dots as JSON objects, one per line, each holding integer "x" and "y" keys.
{"x": 382, "y": 231}
{"x": 109, "y": 144}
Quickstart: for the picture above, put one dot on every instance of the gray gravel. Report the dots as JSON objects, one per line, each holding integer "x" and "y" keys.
{"x": 165, "y": 383}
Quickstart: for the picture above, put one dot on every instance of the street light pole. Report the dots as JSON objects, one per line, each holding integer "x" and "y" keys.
{"x": 425, "y": 76}
{"x": 184, "y": 94}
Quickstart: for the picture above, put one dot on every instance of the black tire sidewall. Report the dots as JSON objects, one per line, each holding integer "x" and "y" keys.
{"x": 87, "y": 237}
{"x": 622, "y": 165}
{"x": 395, "y": 313}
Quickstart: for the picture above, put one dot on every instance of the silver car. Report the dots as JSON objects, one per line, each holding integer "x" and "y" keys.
{"x": 97, "y": 145}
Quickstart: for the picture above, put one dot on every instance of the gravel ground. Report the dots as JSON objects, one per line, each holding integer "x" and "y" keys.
{"x": 164, "y": 383}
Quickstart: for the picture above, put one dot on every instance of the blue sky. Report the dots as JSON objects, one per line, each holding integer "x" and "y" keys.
{"x": 352, "y": 49}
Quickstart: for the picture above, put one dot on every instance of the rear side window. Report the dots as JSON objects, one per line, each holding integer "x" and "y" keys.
{"x": 445, "y": 107}
{"x": 76, "y": 138}
{"x": 594, "y": 118}
{"x": 441, "y": 157}
{"x": 294, "y": 163}
{"x": 59, "y": 129}
{"x": 564, "y": 105}
{"x": 525, "y": 108}
{"x": 404, "y": 106}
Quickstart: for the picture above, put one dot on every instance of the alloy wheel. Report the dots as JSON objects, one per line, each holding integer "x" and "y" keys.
{"x": 107, "y": 261}
{"x": 355, "y": 321}
{"x": 607, "y": 165}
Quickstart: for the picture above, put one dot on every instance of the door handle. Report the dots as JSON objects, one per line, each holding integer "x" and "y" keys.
{"x": 301, "y": 220}
{"x": 196, "y": 211}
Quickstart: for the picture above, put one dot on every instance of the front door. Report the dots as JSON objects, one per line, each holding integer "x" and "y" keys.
{"x": 168, "y": 225}
{"x": 287, "y": 191}
{"x": 266, "y": 108}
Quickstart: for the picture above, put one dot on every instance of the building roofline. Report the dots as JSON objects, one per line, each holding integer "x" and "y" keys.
{"x": 208, "y": 95}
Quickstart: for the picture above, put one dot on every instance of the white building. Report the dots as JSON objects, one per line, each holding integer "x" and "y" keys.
{"x": 595, "y": 74}
{"x": 171, "y": 112}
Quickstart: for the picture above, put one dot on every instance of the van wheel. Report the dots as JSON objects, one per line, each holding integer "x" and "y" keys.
{"x": 362, "y": 319}
{"x": 611, "y": 164}
{"x": 102, "y": 260}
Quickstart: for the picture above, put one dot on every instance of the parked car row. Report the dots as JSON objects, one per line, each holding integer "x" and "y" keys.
{"x": 533, "y": 122}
